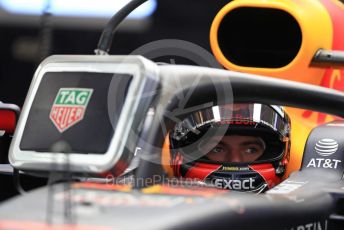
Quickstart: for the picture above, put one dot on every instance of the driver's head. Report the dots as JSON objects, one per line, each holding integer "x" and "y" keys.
{"x": 242, "y": 147}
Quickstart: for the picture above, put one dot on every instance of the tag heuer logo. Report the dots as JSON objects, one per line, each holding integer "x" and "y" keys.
{"x": 69, "y": 107}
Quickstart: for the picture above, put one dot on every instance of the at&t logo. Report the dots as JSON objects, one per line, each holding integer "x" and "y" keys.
{"x": 325, "y": 148}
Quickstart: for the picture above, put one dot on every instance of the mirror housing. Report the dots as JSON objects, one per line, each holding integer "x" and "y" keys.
{"x": 9, "y": 114}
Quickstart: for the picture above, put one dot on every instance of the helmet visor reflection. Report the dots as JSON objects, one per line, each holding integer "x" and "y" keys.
{"x": 234, "y": 114}
{"x": 233, "y": 133}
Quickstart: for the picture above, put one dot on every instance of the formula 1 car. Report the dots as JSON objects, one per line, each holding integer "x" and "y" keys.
{"x": 84, "y": 144}
{"x": 310, "y": 198}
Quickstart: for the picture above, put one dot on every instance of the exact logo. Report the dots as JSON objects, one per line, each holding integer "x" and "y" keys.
{"x": 326, "y": 147}
{"x": 69, "y": 107}
{"x": 235, "y": 184}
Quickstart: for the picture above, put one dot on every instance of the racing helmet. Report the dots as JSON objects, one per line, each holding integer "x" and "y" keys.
{"x": 243, "y": 147}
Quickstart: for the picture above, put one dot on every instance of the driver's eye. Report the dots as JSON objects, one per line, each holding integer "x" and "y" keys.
{"x": 217, "y": 149}
{"x": 252, "y": 150}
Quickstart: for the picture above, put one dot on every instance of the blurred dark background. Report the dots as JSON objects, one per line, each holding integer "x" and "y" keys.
{"x": 21, "y": 47}
{"x": 173, "y": 19}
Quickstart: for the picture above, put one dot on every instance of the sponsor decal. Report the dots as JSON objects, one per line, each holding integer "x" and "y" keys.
{"x": 69, "y": 107}
{"x": 234, "y": 184}
{"x": 286, "y": 187}
{"x": 312, "y": 226}
{"x": 323, "y": 163}
{"x": 234, "y": 168}
{"x": 326, "y": 147}
{"x": 237, "y": 122}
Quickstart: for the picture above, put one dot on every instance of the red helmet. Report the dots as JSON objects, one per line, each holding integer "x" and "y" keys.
{"x": 242, "y": 147}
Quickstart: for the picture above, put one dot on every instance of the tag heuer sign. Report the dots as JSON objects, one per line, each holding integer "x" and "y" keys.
{"x": 69, "y": 107}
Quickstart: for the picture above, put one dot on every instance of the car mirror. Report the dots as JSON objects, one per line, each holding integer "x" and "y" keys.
{"x": 83, "y": 113}
{"x": 8, "y": 121}
{"x": 8, "y": 118}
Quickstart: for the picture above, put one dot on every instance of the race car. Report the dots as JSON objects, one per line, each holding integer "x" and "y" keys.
{"x": 87, "y": 117}
{"x": 310, "y": 198}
